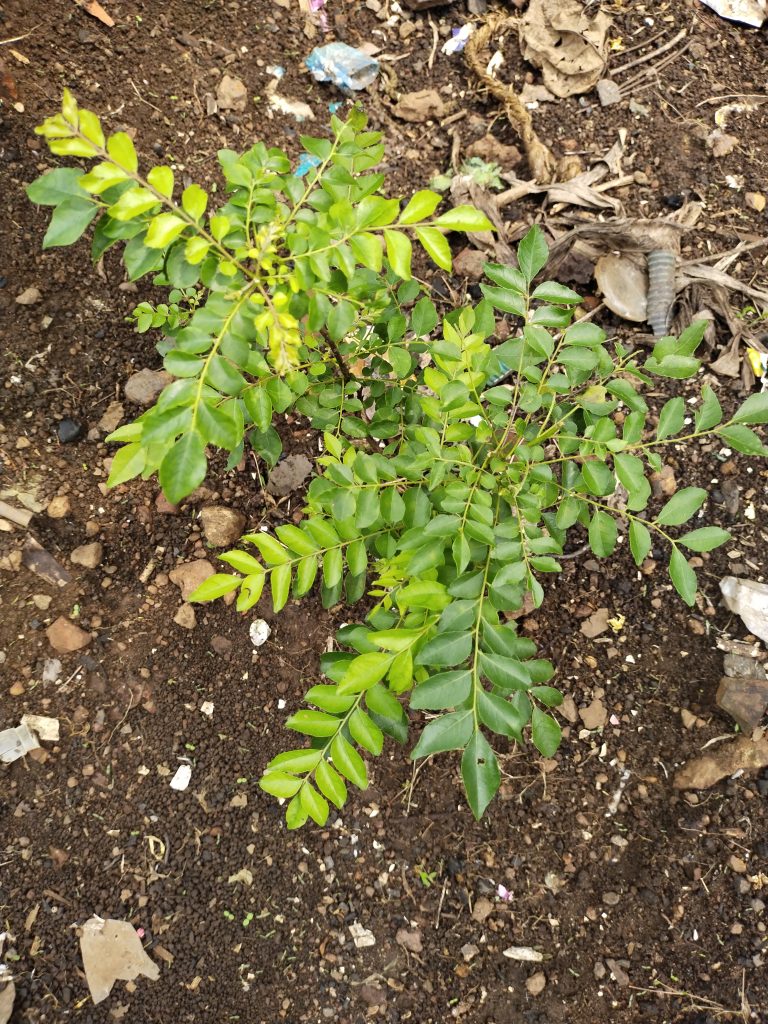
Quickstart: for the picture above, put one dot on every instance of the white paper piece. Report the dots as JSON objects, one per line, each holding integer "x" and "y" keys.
{"x": 182, "y": 778}
{"x": 259, "y": 632}
{"x": 748, "y": 12}
{"x": 15, "y": 743}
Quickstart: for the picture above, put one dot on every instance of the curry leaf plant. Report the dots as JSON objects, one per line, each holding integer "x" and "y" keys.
{"x": 453, "y": 466}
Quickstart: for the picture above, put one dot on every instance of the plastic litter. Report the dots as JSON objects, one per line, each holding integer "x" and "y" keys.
{"x": 342, "y": 65}
{"x": 749, "y": 600}
{"x": 46, "y": 728}
{"x": 181, "y": 779}
{"x": 748, "y": 12}
{"x": 458, "y": 40}
{"x": 759, "y": 363}
{"x": 15, "y": 743}
{"x": 296, "y": 108}
{"x": 276, "y": 70}
{"x": 661, "y": 290}
{"x": 112, "y": 951}
{"x": 306, "y": 163}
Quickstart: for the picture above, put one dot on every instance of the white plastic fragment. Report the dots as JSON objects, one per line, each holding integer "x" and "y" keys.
{"x": 16, "y": 742}
{"x": 112, "y": 951}
{"x": 182, "y": 778}
{"x": 748, "y": 600}
{"x": 206, "y": 708}
{"x": 259, "y": 632}
{"x": 46, "y": 728}
{"x": 748, "y": 12}
{"x": 524, "y": 953}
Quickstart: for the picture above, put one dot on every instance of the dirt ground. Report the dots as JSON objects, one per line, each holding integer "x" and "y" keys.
{"x": 647, "y": 904}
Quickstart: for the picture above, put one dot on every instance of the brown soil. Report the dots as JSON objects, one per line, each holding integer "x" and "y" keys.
{"x": 636, "y": 899}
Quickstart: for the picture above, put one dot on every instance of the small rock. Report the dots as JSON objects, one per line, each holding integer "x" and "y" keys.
{"x": 52, "y": 670}
{"x": 189, "y": 575}
{"x": 69, "y": 431}
{"x": 111, "y": 418}
{"x": 361, "y": 936}
{"x": 58, "y": 507}
{"x": 608, "y": 92}
{"x": 64, "y": 636}
{"x": 185, "y": 617}
{"x": 526, "y": 954}
{"x": 181, "y": 778}
{"x": 410, "y": 940}
{"x": 42, "y": 601}
{"x": 482, "y": 909}
{"x": 288, "y": 475}
{"x": 663, "y": 483}
{"x": 29, "y": 296}
{"x": 595, "y": 715}
{"x": 596, "y": 624}
{"x": 164, "y": 507}
{"x": 221, "y": 645}
{"x": 88, "y": 555}
{"x": 372, "y": 995}
{"x": 231, "y": 94}
{"x": 17, "y": 689}
{"x": 469, "y": 263}
{"x": 568, "y": 709}
{"x": 469, "y": 950}
{"x": 755, "y": 201}
{"x": 490, "y": 149}
{"x": 618, "y": 972}
{"x": 741, "y": 754}
{"x": 420, "y": 106}
{"x": 611, "y": 899}
{"x": 143, "y": 388}
{"x": 222, "y": 526}
{"x": 536, "y": 984}
{"x": 734, "y": 863}
{"x": 744, "y": 699}
{"x": 689, "y": 719}
{"x": 737, "y": 664}
{"x": 749, "y": 600}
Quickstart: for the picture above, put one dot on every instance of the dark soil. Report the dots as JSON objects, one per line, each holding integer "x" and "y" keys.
{"x": 635, "y": 894}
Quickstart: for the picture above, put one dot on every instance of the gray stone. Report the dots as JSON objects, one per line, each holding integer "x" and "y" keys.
{"x": 288, "y": 475}
{"x": 222, "y": 526}
{"x": 745, "y": 699}
{"x": 64, "y": 636}
{"x": 88, "y": 555}
{"x": 143, "y": 388}
{"x": 189, "y": 575}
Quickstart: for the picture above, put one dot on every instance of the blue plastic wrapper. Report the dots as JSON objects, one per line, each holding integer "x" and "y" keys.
{"x": 306, "y": 163}
{"x": 343, "y": 65}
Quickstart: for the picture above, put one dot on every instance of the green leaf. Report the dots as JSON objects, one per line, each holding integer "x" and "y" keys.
{"x": 683, "y": 577}
{"x": 639, "y": 541}
{"x": 598, "y": 478}
{"x": 742, "y": 439}
{"x": 671, "y": 418}
{"x": 184, "y": 467}
{"x": 328, "y": 698}
{"x": 545, "y": 733}
{"x": 480, "y": 773}
{"x": 341, "y": 319}
{"x": 280, "y": 585}
{"x": 436, "y": 247}
{"x": 682, "y": 506}
{"x": 127, "y": 463}
{"x": 367, "y": 250}
{"x": 347, "y": 761}
{"x": 259, "y": 405}
{"x": 532, "y": 253}
{"x": 705, "y": 539}
{"x": 313, "y": 723}
{"x": 603, "y": 533}
{"x": 709, "y": 413}
{"x": 364, "y": 671}
{"x": 559, "y": 295}
{"x": 163, "y": 229}
{"x": 365, "y": 732}
{"x": 215, "y": 586}
{"x": 399, "y": 253}
{"x": 295, "y": 813}
{"x": 279, "y": 784}
{"x": 505, "y": 672}
{"x": 161, "y": 179}
{"x": 446, "y": 649}
{"x": 500, "y": 715}
{"x": 69, "y": 221}
{"x": 302, "y": 760}
{"x": 421, "y": 205}
{"x": 506, "y": 300}
{"x": 121, "y": 149}
{"x": 444, "y": 690}
{"x": 314, "y": 804}
{"x": 631, "y": 473}
{"x": 448, "y": 732}
{"x": 754, "y": 410}
{"x": 57, "y": 186}
{"x": 194, "y": 201}
{"x": 331, "y": 784}
{"x": 673, "y": 366}
{"x": 464, "y": 218}
{"x": 547, "y": 695}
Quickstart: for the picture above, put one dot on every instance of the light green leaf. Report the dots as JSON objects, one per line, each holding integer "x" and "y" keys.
{"x": 365, "y": 732}
{"x": 331, "y": 784}
{"x": 163, "y": 229}
{"x": 280, "y": 586}
{"x": 364, "y": 671}
{"x": 215, "y": 586}
{"x": 347, "y": 761}
{"x": 631, "y": 473}
{"x": 194, "y": 201}
{"x": 464, "y": 218}
{"x": 532, "y": 253}
{"x": 69, "y": 221}
{"x": 683, "y": 577}
{"x": 279, "y": 784}
{"x": 742, "y": 439}
{"x": 121, "y": 149}
{"x": 399, "y": 253}
{"x": 422, "y": 205}
{"x": 314, "y": 804}
{"x": 442, "y": 691}
{"x": 313, "y": 723}
{"x": 705, "y": 539}
{"x": 709, "y": 413}
{"x": 603, "y": 533}
{"x": 446, "y": 650}
{"x": 161, "y": 179}
{"x": 639, "y": 541}
{"x": 183, "y": 467}
{"x": 436, "y": 247}
{"x": 480, "y": 773}
{"x": 127, "y": 463}
{"x": 754, "y": 409}
{"x": 682, "y": 506}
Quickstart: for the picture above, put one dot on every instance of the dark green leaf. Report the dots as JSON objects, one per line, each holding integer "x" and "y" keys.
{"x": 682, "y": 506}
{"x": 448, "y": 732}
{"x": 683, "y": 577}
{"x": 480, "y": 773}
{"x": 545, "y": 732}
{"x": 184, "y": 467}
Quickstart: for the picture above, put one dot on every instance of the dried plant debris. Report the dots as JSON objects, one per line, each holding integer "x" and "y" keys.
{"x": 111, "y": 952}
{"x": 568, "y": 44}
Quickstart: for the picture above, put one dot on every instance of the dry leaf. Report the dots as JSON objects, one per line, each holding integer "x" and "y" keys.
{"x": 112, "y": 950}
{"x": 755, "y": 201}
{"x": 20, "y": 56}
{"x": 720, "y": 143}
{"x": 94, "y": 8}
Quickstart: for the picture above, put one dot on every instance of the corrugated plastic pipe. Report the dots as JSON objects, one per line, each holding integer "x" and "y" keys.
{"x": 662, "y": 264}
